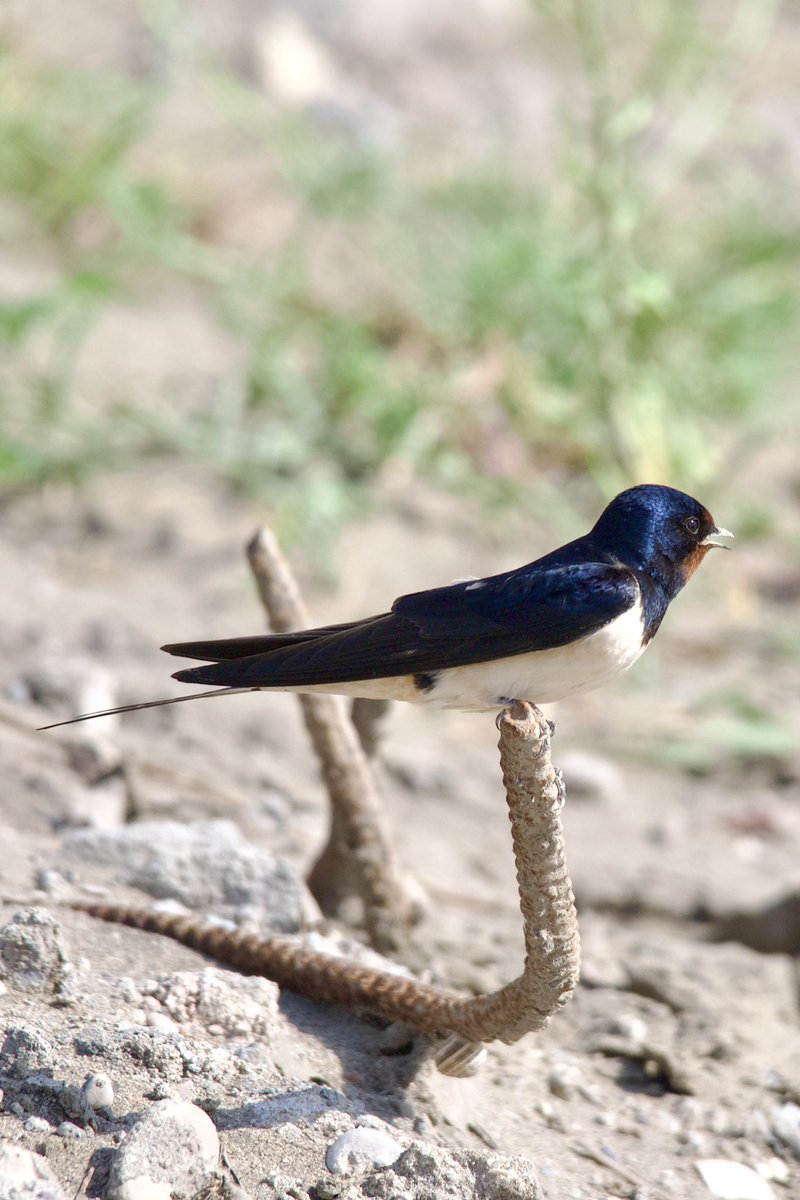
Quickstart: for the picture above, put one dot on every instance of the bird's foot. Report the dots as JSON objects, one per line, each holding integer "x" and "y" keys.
{"x": 518, "y": 710}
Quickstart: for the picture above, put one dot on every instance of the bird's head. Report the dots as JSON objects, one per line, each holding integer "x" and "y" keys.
{"x": 659, "y": 530}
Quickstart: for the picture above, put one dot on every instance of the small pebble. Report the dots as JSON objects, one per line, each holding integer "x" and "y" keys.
{"x": 160, "y": 1021}
{"x": 785, "y": 1122}
{"x": 591, "y": 777}
{"x": 724, "y": 1123}
{"x": 689, "y": 1111}
{"x": 3, "y": 989}
{"x": 95, "y": 1043}
{"x": 775, "y": 1169}
{"x": 93, "y": 757}
{"x": 628, "y": 1026}
{"x": 563, "y": 1081}
{"x": 98, "y": 1091}
{"x": 323, "y": 1189}
{"x": 370, "y": 1121}
{"x": 50, "y": 880}
{"x": 37, "y": 1125}
{"x": 694, "y": 1139}
{"x": 128, "y": 990}
{"x": 69, "y": 1130}
{"x": 75, "y": 685}
{"x": 729, "y": 1180}
{"x": 332, "y": 1124}
{"x": 360, "y": 1150}
{"x": 548, "y": 1111}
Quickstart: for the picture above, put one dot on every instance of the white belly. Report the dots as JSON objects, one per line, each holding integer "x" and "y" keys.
{"x": 544, "y": 675}
{"x": 540, "y": 677}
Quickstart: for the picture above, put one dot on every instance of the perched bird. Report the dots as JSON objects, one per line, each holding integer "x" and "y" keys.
{"x": 561, "y": 625}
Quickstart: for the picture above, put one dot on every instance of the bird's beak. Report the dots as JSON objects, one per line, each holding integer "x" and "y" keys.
{"x": 708, "y": 540}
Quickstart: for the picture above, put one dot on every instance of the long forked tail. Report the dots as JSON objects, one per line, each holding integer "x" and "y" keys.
{"x": 125, "y": 708}
{"x": 273, "y": 660}
{"x": 217, "y": 651}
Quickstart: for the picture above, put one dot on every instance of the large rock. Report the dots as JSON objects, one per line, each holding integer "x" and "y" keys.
{"x": 426, "y": 1172}
{"x": 32, "y": 955}
{"x": 206, "y": 865}
{"x": 26, "y": 1176}
{"x": 172, "y": 1150}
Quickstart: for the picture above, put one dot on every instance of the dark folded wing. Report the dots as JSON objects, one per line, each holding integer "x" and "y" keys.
{"x": 244, "y": 647}
{"x": 524, "y": 610}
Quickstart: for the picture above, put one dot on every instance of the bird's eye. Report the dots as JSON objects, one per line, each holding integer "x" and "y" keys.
{"x": 692, "y": 524}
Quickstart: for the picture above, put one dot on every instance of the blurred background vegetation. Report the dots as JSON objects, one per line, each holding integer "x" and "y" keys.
{"x": 499, "y": 310}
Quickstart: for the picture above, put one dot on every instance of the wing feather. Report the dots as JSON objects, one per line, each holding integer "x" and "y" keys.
{"x": 223, "y": 649}
{"x": 521, "y": 611}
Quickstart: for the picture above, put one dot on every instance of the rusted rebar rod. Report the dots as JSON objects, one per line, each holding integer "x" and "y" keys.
{"x": 535, "y": 798}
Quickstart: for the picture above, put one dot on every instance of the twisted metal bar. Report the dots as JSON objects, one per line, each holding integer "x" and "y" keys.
{"x": 535, "y": 798}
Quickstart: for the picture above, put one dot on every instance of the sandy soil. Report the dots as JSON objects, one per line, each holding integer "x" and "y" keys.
{"x": 676, "y": 1048}
{"x": 683, "y": 827}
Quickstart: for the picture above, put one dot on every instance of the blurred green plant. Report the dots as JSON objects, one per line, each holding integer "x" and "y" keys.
{"x": 730, "y": 732}
{"x": 644, "y": 302}
{"x": 623, "y": 322}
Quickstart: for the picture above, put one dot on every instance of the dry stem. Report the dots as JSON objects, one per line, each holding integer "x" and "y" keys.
{"x": 368, "y": 717}
{"x": 359, "y": 856}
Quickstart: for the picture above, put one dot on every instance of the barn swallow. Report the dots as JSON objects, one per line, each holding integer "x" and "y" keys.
{"x": 561, "y": 625}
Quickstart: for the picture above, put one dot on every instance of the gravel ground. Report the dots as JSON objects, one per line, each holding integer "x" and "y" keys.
{"x": 130, "y": 1066}
{"x": 679, "y": 1048}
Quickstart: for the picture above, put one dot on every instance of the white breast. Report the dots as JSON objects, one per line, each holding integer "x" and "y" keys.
{"x": 540, "y": 677}
{"x": 544, "y": 675}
